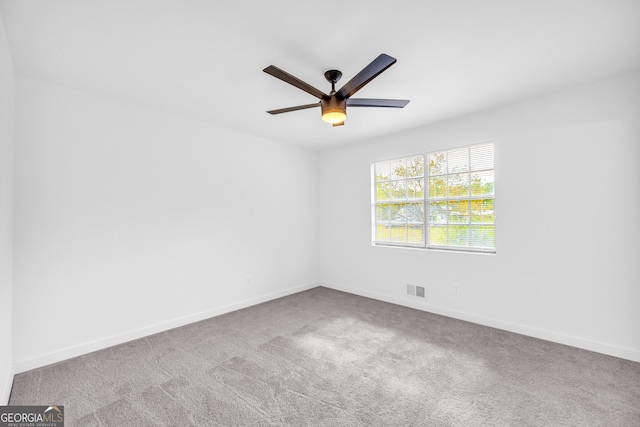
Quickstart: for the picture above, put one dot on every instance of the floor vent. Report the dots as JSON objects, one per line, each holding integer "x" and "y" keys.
{"x": 416, "y": 291}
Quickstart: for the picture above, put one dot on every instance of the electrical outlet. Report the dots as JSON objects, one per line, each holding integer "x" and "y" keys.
{"x": 247, "y": 280}
{"x": 456, "y": 288}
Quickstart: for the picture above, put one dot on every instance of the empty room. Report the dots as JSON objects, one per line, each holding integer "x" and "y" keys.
{"x": 289, "y": 213}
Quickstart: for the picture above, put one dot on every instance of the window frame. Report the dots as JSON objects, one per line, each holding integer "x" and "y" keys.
{"x": 427, "y": 199}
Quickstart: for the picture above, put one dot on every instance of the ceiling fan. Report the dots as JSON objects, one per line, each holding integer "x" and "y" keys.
{"x": 334, "y": 106}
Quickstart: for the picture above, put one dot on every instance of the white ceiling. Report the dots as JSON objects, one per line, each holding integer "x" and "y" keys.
{"x": 203, "y": 59}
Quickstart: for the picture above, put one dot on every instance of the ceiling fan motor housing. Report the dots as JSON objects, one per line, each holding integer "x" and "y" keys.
{"x": 334, "y": 110}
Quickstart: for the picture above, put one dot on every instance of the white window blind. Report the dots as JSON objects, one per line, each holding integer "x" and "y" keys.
{"x": 443, "y": 199}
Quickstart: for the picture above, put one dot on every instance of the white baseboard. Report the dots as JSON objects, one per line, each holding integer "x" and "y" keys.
{"x": 598, "y": 347}
{"x": 5, "y": 391}
{"x": 102, "y": 343}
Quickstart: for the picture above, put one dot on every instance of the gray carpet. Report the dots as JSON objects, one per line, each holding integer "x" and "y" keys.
{"x": 327, "y": 358}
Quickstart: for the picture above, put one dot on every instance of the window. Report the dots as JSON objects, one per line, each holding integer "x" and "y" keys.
{"x": 399, "y": 201}
{"x": 443, "y": 199}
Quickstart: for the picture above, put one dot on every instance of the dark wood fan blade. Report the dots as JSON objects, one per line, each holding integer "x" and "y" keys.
{"x": 371, "y": 102}
{"x": 296, "y": 108}
{"x": 292, "y": 80}
{"x": 338, "y": 124}
{"x": 367, "y": 74}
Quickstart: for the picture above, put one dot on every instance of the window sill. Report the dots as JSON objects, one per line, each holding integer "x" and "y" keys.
{"x": 436, "y": 249}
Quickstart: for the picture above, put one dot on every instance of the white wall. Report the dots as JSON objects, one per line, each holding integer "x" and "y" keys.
{"x": 7, "y": 110}
{"x": 567, "y": 203}
{"x": 129, "y": 221}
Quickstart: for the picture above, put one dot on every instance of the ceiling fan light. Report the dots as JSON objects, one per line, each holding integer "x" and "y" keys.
{"x": 334, "y": 110}
{"x": 334, "y": 115}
